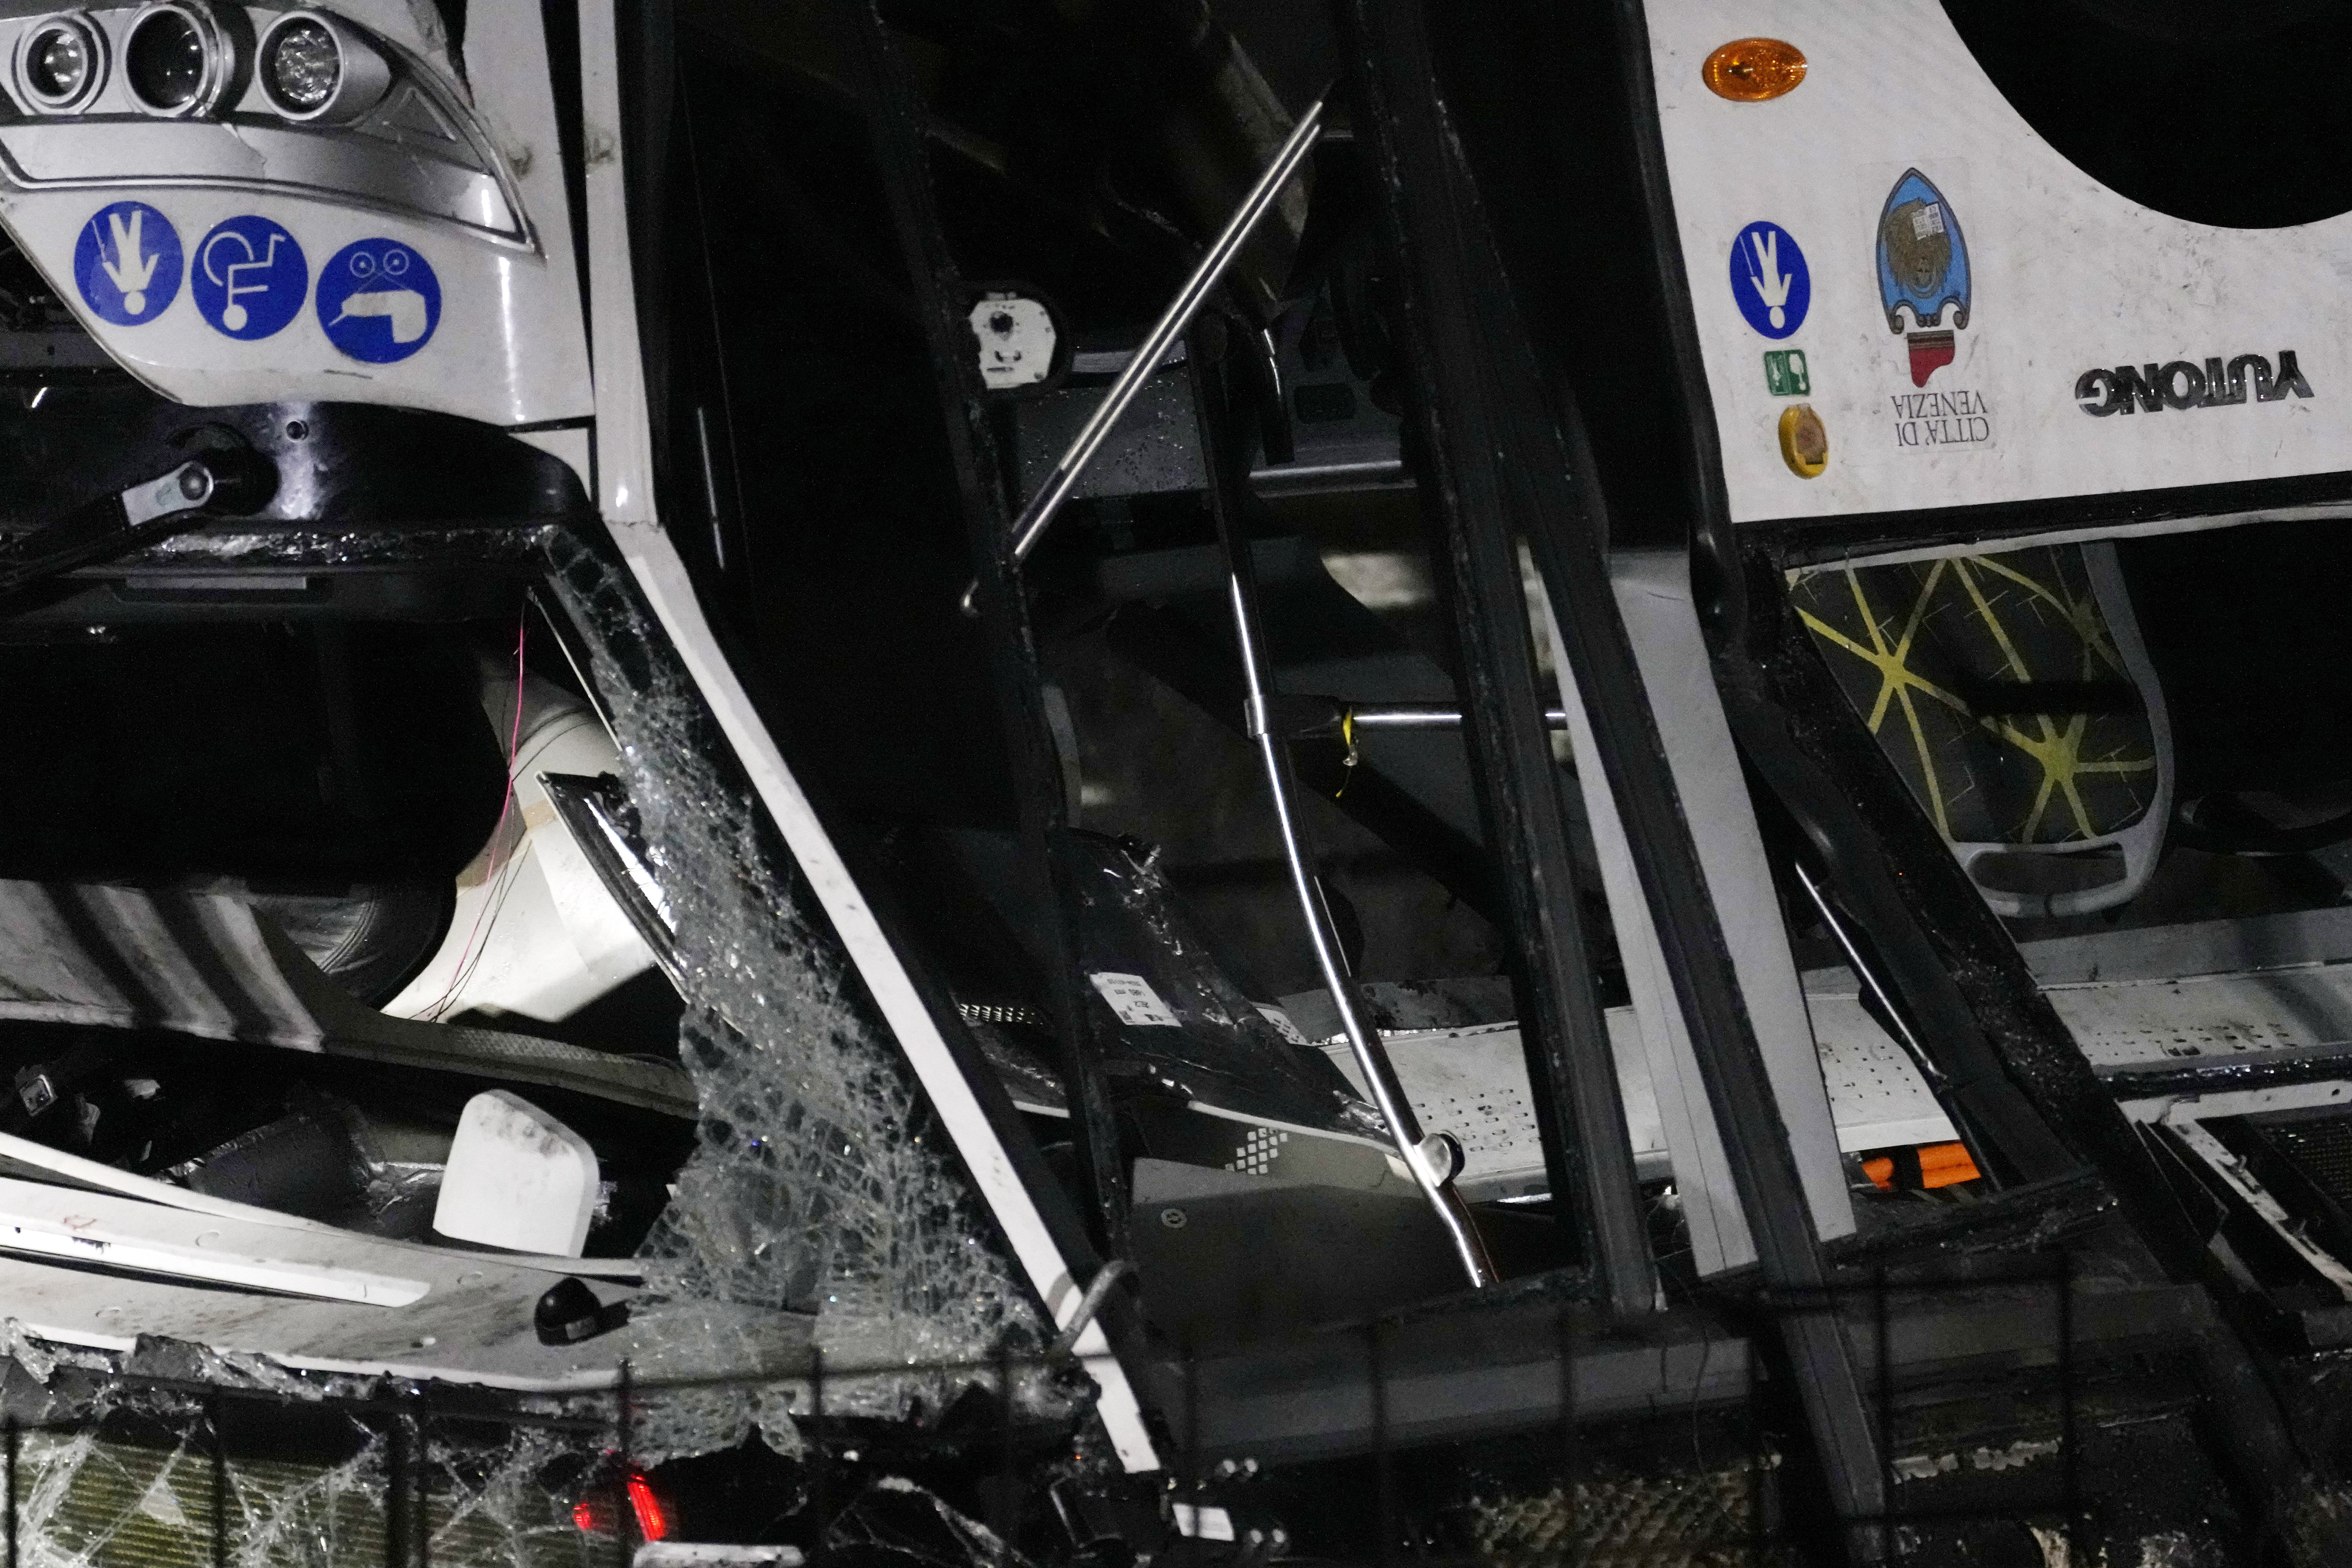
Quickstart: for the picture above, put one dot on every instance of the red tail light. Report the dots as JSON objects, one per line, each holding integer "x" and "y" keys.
{"x": 653, "y": 1518}
{"x": 598, "y": 1513}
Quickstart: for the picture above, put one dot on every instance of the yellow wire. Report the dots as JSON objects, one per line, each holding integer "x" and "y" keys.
{"x": 1347, "y": 737}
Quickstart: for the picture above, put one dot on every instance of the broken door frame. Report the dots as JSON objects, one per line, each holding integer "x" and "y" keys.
{"x": 1052, "y": 1259}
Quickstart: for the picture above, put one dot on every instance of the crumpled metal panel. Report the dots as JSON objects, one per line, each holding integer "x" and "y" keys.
{"x": 1177, "y": 1025}
{"x": 1225, "y": 1052}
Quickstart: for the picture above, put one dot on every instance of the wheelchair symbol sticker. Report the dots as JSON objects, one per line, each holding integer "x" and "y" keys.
{"x": 250, "y": 277}
{"x": 379, "y": 300}
{"x": 127, "y": 263}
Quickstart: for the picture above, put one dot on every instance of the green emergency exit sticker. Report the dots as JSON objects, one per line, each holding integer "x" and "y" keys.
{"x": 1784, "y": 373}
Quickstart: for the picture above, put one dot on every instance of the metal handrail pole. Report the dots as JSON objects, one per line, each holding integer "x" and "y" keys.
{"x": 1258, "y": 719}
{"x": 1371, "y": 1056}
{"x": 1031, "y": 524}
{"x": 1425, "y": 716}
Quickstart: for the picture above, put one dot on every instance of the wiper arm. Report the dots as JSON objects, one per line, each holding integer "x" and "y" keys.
{"x": 225, "y": 482}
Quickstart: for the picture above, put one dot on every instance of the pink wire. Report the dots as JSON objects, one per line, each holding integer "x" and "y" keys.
{"x": 459, "y": 975}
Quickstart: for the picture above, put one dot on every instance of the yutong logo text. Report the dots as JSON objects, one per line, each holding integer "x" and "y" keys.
{"x": 2183, "y": 383}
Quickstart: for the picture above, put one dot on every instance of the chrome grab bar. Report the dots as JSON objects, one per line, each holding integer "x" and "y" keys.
{"x": 1403, "y": 716}
{"x": 1031, "y": 524}
{"x": 1434, "y": 1159}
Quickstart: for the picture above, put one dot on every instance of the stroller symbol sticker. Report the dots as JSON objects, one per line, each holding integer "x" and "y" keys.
{"x": 127, "y": 263}
{"x": 379, "y": 300}
{"x": 250, "y": 277}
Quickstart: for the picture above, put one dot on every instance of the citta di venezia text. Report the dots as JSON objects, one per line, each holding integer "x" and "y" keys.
{"x": 1941, "y": 419}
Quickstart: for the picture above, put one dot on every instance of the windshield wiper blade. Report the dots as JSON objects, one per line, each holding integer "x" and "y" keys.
{"x": 229, "y": 481}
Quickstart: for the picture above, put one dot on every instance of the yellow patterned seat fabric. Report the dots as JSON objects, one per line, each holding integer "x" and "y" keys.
{"x": 1951, "y": 663}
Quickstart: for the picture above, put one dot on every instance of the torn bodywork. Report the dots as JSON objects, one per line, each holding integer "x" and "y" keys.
{"x": 894, "y": 783}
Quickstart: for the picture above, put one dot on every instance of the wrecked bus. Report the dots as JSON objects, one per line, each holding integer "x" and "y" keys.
{"x": 915, "y": 784}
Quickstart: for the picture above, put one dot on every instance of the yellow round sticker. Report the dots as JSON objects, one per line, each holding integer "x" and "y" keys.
{"x": 1804, "y": 441}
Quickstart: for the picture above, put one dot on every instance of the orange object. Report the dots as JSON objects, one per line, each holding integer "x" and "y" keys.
{"x": 1751, "y": 70}
{"x": 1937, "y": 1165}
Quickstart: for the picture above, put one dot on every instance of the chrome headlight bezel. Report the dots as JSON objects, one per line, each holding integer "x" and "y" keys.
{"x": 362, "y": 74}
{"x": 393, "y": 130}
{"x": 219, "y": 60}
{"x": 93, "y": 38}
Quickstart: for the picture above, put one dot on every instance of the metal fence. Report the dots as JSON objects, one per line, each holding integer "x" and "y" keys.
{"x": 184, "y": 1470}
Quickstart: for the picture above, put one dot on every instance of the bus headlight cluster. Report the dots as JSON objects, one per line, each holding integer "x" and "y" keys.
{"x": 178, "y": 61}
{"x": 61, "y": 63}
{"x": 314, "y": 67}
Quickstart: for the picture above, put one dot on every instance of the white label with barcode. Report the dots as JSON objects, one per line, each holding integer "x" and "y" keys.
{"x": 1133, "y": 999}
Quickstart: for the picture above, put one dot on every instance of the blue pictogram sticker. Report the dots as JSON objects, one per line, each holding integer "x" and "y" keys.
{"x": 250, "y": 277}
{"x": 378, "y": 300}
{"x": 127, "y": 263}
{"x": 1770, "y": 279}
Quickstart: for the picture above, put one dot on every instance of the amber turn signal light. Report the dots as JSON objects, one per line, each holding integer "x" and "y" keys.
{"x": 1750, "y": 70}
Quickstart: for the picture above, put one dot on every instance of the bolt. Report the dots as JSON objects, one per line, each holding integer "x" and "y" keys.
{"x": 1173, "y": 1218}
